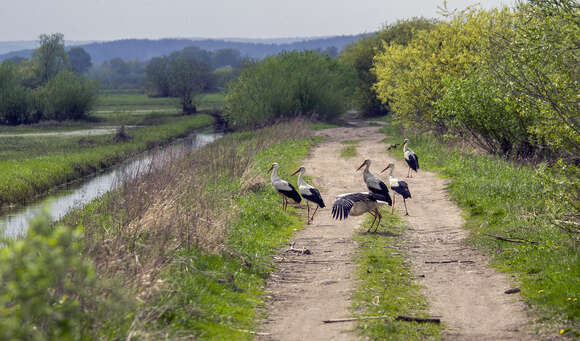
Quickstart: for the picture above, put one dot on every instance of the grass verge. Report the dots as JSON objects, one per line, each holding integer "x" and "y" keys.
{"x": 386, "y": 286}
{"x": 509, "y": 200}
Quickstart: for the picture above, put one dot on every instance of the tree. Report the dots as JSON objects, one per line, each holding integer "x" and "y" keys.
{"x": 361, "y": 53}
{"x": 226, "y": 57}
{"x": 188, "y": 77}
{"x": 157, "y": 73}
{"x": 50, "y": 57}
{"x": 80, "y": 60}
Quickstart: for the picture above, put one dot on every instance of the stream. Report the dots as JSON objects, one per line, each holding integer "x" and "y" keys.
{"x": 63, "y": 199}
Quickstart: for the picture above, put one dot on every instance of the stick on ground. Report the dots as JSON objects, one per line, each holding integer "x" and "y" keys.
{"x": 523, "y": 241}
{"x": 399, "y": 318}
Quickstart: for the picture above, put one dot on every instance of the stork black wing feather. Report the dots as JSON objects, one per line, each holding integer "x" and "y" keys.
{"x": 402, "y": 189}
{"x": 292, "y": 194}
{"x": 315, "y": 197}
{"x": 341, "y": 208}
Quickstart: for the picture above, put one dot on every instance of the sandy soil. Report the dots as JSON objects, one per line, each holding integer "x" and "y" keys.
{"x": 308, "y": 288}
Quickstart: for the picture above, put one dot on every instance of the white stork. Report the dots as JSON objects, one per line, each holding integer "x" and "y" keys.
{"x": 309, "y": 193}
{"x": 374, "y": 184}
{"x": 410, "y": 157}
{"x": 398, "y": 186}
{"x": 356, "y": 204}
{"x": 283, "y": 187}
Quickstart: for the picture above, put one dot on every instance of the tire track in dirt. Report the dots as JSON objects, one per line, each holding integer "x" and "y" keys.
{"x": 308, "y": 288}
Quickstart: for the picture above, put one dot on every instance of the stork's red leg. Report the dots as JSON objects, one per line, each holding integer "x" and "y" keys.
{"x": 308, "y": 214}
{"x": 393, "y": 207}
{"x": 379, "y": 223}
{"x": 374, "y": 215}
{"x": 404, "y": 202}
{"x": 314, "y": 213}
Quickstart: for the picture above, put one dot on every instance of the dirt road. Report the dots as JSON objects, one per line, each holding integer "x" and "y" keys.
{"x": 308, "y": 288}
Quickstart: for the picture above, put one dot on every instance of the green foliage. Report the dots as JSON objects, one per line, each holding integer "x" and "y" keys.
{"x": 386, "y": 287}
{"x": 43, "y": 88}
{"x": 292, "y": 84}
{"x": 515, "y": 201}
{"x": 412, "y": 77}
{"x": 49, "y": 291}
{"x": 538, "y": 65}
{"x": 188, "y": 76}
{"x": 79, "y": 59}
{"x": 50, "y": 58}
{"x": 15, "y": 102}
{"x": 119, "y": 74}
{"x": 66, "y": 96}
{"x": 474, "y": 107}
{"x": 360, "y": 55}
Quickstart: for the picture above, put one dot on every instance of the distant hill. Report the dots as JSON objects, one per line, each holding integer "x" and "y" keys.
{"x": 145, "y": 49}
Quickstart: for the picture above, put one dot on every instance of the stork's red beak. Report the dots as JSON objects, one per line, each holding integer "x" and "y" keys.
{"x": 386, "y": 168}
{"x": 361, "y": 166}
{"x": 298, "y": 171}
{"x": 271, "y": 167}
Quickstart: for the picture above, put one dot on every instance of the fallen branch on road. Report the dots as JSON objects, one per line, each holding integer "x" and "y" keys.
{"x": 398, "y": 318}
{"x": 522, "y": 241}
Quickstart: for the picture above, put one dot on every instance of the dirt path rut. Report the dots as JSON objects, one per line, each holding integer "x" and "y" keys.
{"x": 308, "y": 288}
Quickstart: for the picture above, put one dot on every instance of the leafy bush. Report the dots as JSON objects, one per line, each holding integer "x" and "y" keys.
{"x": 291, "y": 84}
{"x": 15, "y": 101}
{"x": 49, "y": 291}
{"x": 66, "y": 96}
{"x": 412, "y": 77}
{"x": 539, "y": 67}
{"x": 478, "y": 110}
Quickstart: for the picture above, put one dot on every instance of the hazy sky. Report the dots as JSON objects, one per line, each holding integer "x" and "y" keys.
{"x": 117, "y": 19}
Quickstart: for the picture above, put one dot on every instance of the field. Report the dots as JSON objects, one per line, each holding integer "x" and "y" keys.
{"x": 52, "y": 153}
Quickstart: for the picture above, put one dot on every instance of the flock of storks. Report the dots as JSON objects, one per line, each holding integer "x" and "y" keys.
{"x": 354, "y": 204}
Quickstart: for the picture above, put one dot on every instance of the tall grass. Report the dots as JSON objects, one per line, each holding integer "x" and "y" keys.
{"x": 508, "y": 199}
{"x": 194, "y": 239}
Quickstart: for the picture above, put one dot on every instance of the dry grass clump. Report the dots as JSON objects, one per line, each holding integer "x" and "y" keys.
{"x": 180, "y": 201}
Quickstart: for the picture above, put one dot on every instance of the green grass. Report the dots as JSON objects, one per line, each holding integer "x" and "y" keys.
{"x": 32, "y": 165}
{"x": 386, "y": 286}
{"x": 349, "y": 150}
{"x": 228, "y": 290}
{"x": 502, "y": 198}
{"x": 139, "y": 101}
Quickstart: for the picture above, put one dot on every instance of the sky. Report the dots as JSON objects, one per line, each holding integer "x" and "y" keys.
{"x": 154, "y": 19}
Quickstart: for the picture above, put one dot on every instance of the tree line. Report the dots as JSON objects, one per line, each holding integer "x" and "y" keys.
{"x": 49, "y": 86}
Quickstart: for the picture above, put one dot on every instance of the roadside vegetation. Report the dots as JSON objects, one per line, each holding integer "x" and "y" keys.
{"x": 386, "y": 286}
{"x": 518, "y": 202}
{"x": 189, "y": 246}
{"x": 502, "y": 84}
